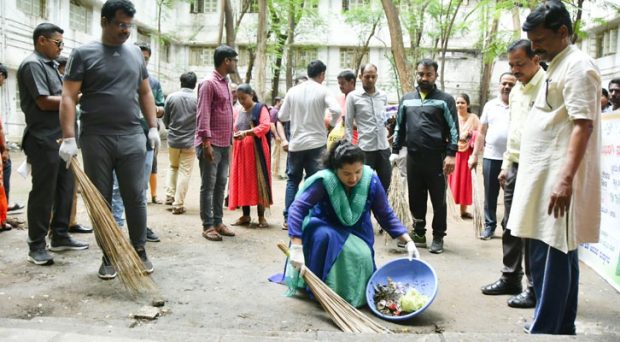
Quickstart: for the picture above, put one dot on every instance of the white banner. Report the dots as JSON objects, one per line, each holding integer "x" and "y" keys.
{"x": 604, "y": 257}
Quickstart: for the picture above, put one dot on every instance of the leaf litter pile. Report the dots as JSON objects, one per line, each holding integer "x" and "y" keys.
{"x": 396, "y": 298}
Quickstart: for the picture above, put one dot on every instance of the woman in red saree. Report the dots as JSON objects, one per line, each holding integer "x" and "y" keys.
{"x": 250, "y": 172}
{"x": 460, "y": 180}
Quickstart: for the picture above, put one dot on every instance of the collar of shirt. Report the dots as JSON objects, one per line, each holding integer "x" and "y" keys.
{"x": 559, "y": 57}
{"x": 364, "y": 92}
{"x": 534, "y": 81}
{"x": 46, "y": 60}
{"x": 219, "y": 76}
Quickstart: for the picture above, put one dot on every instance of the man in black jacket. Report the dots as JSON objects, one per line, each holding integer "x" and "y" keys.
{"x": 427, "y": 126}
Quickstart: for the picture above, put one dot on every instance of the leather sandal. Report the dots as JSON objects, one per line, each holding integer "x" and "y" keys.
{"x": 243, "y": 221}
{"x": 223, "y": 230}
{"x": 212, "y": 234}
{"x": 262, "y": 223}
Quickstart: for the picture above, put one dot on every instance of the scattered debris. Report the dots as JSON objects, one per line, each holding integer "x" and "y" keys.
{"x": 147, "y": 312}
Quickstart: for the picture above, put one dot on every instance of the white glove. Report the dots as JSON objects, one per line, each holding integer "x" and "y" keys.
{"x": 394, "y": 158}
{"x": 154, "y": 138}
{"x": 412, "y": 251}
{"x": 296, "y": 256}
{"x": 67, "y": 150}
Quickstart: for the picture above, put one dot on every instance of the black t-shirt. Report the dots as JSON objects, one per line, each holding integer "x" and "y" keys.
{"x": 38, "y": 76}
{"x": 111, "y": 77}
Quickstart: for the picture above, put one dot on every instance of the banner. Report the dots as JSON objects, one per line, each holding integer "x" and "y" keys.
{"x": 604, "y": 257}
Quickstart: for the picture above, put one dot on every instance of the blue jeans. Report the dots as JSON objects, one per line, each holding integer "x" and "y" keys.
{"x": 117, "y": 203}
{"x": 296, "y": 164}
{"x": 555, "y": 276}
{"x": 214, "y": 175}
{"x": 490, "y": 171}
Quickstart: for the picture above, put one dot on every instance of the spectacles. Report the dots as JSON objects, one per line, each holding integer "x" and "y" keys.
{"x": 122, "y": 26}
{"x": 59, "y": 43}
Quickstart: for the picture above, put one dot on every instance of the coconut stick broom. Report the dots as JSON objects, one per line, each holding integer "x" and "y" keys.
{"x": 397, "y": 197}
{"x": 478, "y": 204}
{"x": 346, "y": 317}
{"x": 110, "y": 238}
{"x": 453, "y": 211}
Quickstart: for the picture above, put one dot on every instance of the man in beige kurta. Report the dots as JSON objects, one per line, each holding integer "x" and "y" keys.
{"x": 556, "y": 203}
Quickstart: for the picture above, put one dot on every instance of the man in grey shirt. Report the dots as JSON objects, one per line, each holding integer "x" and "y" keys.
{"x": 113, "y": 80}
{"x": 180, "y": 119}
{"x": 51, "y": 196}
{"x": 366, "y": 109}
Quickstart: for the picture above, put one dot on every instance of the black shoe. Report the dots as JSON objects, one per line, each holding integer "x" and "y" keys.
{"x": 66, "y": 244}
{"x": 15, "y": 207}
{"x": 523, "y": 300}
{"x": 148, "y": 265}
{"x": 106, "y": 270}
{"x": 487, "y": 234}
{"x": 40, "y": 257}
{"x": 436, "y": 245}
{"x": 418, "y": 240}
{"x": 151, "y": 236}
{"x": 78, "y": 228}
{"x": 501, "y": 287}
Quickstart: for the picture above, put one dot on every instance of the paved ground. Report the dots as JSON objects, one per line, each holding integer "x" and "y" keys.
{"x": 219, "y": 291}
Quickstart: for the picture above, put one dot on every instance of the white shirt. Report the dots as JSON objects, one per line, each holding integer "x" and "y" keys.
{"x": 304, "y": 106}
{"x": 496, "y": 116}
{"x": 571, "y": 91}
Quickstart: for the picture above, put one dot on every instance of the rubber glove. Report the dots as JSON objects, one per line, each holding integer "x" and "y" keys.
{"x": 296, "y": 256}
{"x": 67, "y": 150}
{"x": 412, "y": 251}
{"x": 154, "y": 138}
{"x": 394, "y": 158}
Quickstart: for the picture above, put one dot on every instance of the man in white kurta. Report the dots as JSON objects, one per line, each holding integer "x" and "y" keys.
{"x": 556, "y": 203}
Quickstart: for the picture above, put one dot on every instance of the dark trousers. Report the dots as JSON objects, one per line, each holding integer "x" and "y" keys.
{"x": 514, "y": 248}
{"x": 51, "y": 196}
{"x": 380, "y": 162}
{"x": 214, "y": 176}
{"x": 425, "y": 177}
{"x": 555, "y": 275}
{"x": 296, "y": 163}
{"x": 6, "y": 178}
{"x": 125, "y": 155}
{"x": 490, "y": 170}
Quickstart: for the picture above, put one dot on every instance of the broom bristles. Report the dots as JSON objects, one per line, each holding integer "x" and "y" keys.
{"x": 478, "y": 205}
{"x": 344, "y": 315}
{"x": 110, "y": 238}
{"x": 453, "y": 211}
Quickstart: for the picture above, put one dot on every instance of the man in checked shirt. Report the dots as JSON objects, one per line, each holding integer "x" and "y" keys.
{"x": 214, "y": 123}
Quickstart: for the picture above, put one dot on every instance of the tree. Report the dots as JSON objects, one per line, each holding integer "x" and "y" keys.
{"x": 364, "y": 20}
{"x": 398, "y": 47}
{"x": 261, "y": 48}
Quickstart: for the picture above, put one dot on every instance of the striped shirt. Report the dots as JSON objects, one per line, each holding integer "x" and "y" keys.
{"x": 214, "y": 119}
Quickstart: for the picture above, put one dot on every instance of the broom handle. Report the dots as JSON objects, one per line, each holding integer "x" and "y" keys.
{"x": 284, "y": 248}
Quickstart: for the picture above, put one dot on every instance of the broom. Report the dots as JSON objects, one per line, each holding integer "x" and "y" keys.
{"x": 115, "y": 246}
{"x": 478, "y": 205}
{"x": 346, "y": 317}
{"x": 397, "y": 197}
{"x": 453, "y": 211}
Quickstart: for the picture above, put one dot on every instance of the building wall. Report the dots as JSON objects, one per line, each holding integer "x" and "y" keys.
{"x": 191, "y": 38}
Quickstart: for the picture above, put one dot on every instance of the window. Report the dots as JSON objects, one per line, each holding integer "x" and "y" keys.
{"x": 607, "y": 42}
{"x": 351, "y": 4}
{"x": 302, "y": 57}
{"x": 203, "y": 6}
{"x": 201, "y": 55}
{"x": 32, "y": 7}
{"x": 244, "y": 56}
{"x": 164, "y": 52}
{"x": 348, "y": 57}
{"x": 79, "y": 17}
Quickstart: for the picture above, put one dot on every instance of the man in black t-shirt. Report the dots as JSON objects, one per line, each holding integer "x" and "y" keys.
{"x": 51, "y": 196}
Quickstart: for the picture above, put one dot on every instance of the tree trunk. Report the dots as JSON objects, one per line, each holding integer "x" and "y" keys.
{"x": 365, "y": 49}
{"x": 261, "y": 50}
{"x": 220, "y": 33}
{"x": 248, "y": 71}
{"x": 277, "y": 68}
{"x": 290, "y": 31}
{"x": 487, "y": 65}
{"x": 398, "y": 47}
{"x": 230, "y": 35}
{"x": 516, "y": 23}
{"x": 577, "y": 21}
{"x": 444, "y": 43}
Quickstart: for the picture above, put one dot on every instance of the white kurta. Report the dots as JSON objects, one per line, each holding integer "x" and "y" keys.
{"x": 571, "y": 91}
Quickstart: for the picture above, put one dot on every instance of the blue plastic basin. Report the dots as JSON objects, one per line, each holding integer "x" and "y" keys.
{"x": 417, "y": 274}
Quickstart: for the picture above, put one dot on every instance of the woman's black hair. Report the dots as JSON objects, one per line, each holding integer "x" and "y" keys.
{"x": 247, "y": 89}
{"x": 342, "y": 152}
